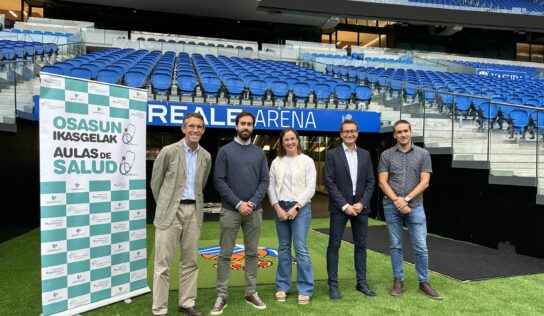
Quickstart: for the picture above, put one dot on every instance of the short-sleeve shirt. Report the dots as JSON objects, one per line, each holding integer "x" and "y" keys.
{"x": 404, "y": 170}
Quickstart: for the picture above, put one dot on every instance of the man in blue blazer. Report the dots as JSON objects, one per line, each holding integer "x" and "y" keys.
{"x": 349, "y": 179}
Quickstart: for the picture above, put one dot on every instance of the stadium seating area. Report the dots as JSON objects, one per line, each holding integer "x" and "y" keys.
{"x": 41, "y": 32}
{"x": 235, "y": 78}
{"x": 456, "y": 82}
{"x": 45, "y": 37}
{"x": 514, "y": 6}
{"x": 195, "y": 40}
{"x": 344, "y": 59}
{"x": 258, "y": 80}
{"x": 464, "y": 93}
{"x": 20, "y": 50}
{"x": 151, "y": 39}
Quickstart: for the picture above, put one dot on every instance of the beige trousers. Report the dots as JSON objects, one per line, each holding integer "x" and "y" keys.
{"x": 185, "y": 230}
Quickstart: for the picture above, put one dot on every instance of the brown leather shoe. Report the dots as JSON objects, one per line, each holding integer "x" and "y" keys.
{"x": 219, "y": 306}
{"x": 254, "y": 300}
{"x": 397, "y": 288}
{"x": 191, "y": 311}
{"x": 426, "y": 288}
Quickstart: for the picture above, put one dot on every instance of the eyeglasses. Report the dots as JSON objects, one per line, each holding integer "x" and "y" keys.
{"x": 198, "y": 127}
{"x": 350, "y": 131}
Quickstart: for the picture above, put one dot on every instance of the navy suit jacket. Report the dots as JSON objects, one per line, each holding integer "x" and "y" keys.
{"x": 338, "y": 180}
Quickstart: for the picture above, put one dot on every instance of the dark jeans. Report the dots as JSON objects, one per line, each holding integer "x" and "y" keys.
{"x": 359, "y": 228}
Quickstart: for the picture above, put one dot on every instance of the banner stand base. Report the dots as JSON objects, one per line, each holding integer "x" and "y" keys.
{"x": 122, "y": 297}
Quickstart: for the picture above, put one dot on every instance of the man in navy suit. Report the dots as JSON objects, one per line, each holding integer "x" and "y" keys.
{"x": 349, "y": 179}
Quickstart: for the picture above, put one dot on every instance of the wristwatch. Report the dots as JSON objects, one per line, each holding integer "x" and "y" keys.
{"x": 297, "y": 208}
{"x": 407, "y": 198}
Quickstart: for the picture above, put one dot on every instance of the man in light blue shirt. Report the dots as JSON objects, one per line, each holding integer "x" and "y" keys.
{"x": 190, "y": 162}
{"x": 180, "y": 173}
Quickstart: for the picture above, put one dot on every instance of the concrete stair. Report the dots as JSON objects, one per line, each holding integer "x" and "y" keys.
{"x": 22, "y": 95}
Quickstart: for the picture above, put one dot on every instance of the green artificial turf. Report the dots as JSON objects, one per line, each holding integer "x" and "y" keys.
{"x": 317, "y": 245}
{"x": 20, "y": 286}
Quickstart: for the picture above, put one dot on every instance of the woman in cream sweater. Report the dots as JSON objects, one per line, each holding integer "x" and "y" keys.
{"x": 292, "y": 185}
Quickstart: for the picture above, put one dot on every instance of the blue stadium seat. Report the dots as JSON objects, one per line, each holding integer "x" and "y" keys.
{"x": 66, "y": 67}
{"x": 410, "y": 91}
{"x": 107, "y": 76}
{"x": 532, "y": 102}
{"x": 311, "y": 83}
{"x": 248, "y": 78}
{"x": 210, "y": 86}
{"x": 395, "y": 88}
{"x": 504, "y": 109}
{"x": 363, "y": 95}
{"x": 362, "y": 76}
{"x": 352, "y": 74}
{"x": 93, "y": 68}
{"x": 462, "y": 105}
{"x": 235, "y": 87}
{"x": 343, "y": 93}
{"x": 258, "y": 89}
{"x": 518, "y": 122}
{"x": 322, "y": 92}
{"x": 280, "y": 90}
{"x": 446, "y": 99}
{"x": 80, "y": 72}
{"x": 74, "y": 62}
{"x": 161, "y": 82}
{"x": 135, "y": 79}
{"x": 477, "y": 101}
{"x": 301, "y": 91}
{"x": 343, "y": 72}
{"x": 291, "y": 82}
{"x": 268, "y": 80}
{"x": 52, "y": 70}
{"x": 488, "y": 114}
{"x": 186, "y": 84}
{"x": 539, "y": 122}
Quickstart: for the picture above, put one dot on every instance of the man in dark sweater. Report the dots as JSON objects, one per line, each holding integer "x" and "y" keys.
{"x": 241, "y": 178}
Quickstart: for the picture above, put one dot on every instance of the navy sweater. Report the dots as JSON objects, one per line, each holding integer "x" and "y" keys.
{"x": 241, "y": 174}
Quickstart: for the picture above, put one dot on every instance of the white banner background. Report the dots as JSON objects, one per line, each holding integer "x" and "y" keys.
{"x": 93, "y": 194}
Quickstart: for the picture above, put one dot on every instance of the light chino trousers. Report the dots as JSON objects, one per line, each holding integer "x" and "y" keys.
{"x": 185, "y": 230}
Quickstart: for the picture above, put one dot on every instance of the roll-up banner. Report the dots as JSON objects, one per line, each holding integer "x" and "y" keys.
{"x": 92, "y": 194}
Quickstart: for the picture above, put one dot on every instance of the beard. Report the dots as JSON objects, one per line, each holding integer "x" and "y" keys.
{"x": 242, "y": 136}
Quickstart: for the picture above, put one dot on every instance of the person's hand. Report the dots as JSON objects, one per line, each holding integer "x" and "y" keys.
{"x": 292, "y": 213}
{"x": 405, "y": 210}
{"x": 282, "y": 214}
{"x": 245, "y": 209}
{"x": 400, "y": 203}
{"x": 350, "y": 211}
{"x": 358, "y": 207}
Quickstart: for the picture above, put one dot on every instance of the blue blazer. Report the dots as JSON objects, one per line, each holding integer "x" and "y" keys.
{"x": 338, "y": 180}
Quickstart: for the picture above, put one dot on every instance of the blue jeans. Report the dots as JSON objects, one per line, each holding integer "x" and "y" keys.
{"x": 294, "y": 232}
{"x": 417, "y": 228}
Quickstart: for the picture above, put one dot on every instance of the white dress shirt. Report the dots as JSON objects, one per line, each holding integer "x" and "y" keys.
{"x": 351, "y": 156}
